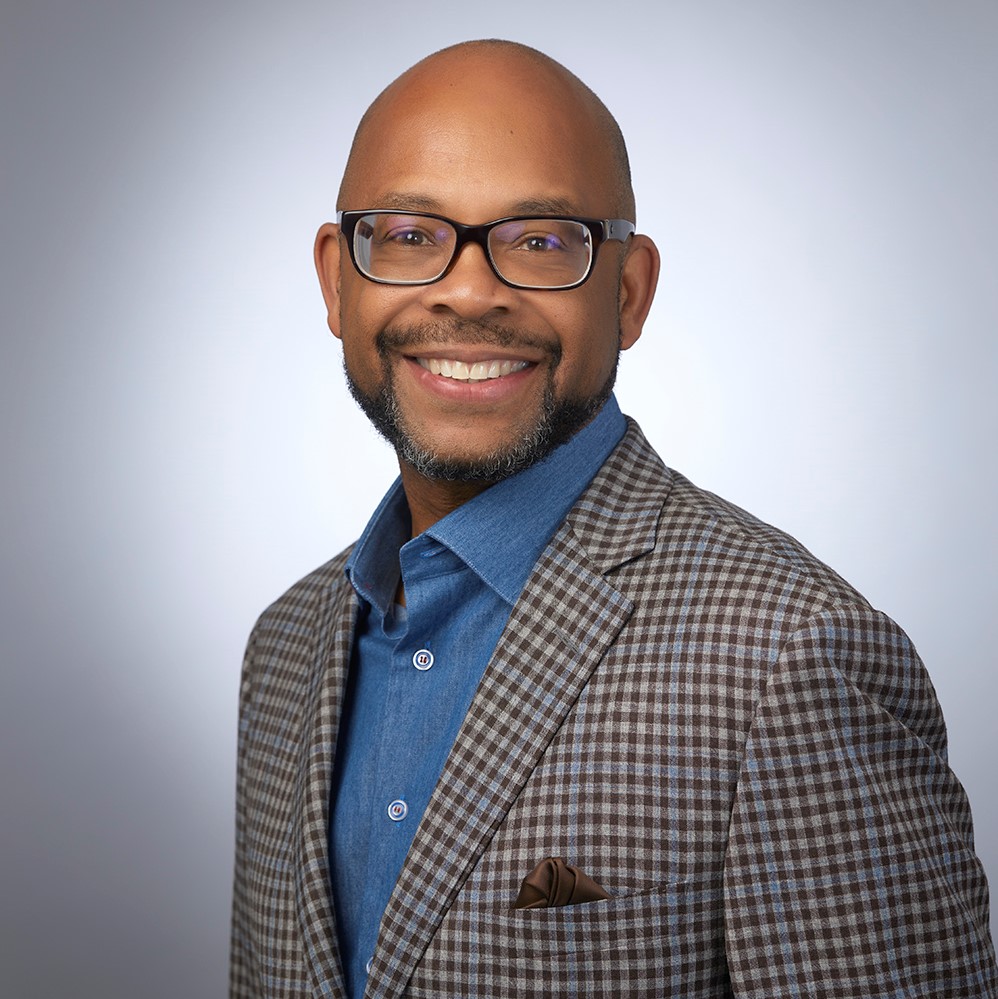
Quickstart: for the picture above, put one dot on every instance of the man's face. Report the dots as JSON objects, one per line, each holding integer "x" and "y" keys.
{"x": 467, "y": 377}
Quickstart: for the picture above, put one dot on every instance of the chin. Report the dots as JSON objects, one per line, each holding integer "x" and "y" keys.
{"x": 555, "y": 423}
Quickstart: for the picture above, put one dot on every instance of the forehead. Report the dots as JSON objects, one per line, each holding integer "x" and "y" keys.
{"x": 480, "y": 138}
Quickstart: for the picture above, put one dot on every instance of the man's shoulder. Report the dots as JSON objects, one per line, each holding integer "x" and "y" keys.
{"x": 702, "y": 532}
{"x": 297, "y": 609}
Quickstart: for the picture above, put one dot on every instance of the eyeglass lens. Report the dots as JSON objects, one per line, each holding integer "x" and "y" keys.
{"x": 533, "y": 253}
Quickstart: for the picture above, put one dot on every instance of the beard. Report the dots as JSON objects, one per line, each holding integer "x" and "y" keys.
{"x": 556, "y": 421}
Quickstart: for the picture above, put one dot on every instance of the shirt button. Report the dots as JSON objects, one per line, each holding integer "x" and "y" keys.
{"x": 398, "y": 810}
{"x": 367, "y": 967}
{"x": 423, "y": 660}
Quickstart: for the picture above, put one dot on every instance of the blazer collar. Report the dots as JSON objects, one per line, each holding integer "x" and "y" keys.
{"x": 616, "y": 519}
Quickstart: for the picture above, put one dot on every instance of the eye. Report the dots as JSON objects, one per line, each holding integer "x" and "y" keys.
{"x": 392, "y": 231}
{"x": 542, "y": 242}
{"x": 408, "y": 236}
{"x": 540, "y": 237}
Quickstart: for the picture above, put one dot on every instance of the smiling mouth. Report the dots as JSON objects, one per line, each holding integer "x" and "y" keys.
{"x": 479, "y": 371}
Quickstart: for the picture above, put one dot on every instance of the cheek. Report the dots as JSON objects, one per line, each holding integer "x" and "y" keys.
{"x": 370, "y": 307}
{"x": 361, "y": 320}
{"x": 590, "y": 343}
{"x": 360, "y": 353}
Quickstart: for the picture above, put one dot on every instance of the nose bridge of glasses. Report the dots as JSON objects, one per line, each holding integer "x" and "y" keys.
{"x": 477, "y": 235}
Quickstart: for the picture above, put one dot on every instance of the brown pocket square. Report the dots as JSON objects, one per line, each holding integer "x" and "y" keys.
{"x": 553, "y": 883}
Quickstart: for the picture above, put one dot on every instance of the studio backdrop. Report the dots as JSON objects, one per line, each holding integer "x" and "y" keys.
{"x": 179, "y": 446}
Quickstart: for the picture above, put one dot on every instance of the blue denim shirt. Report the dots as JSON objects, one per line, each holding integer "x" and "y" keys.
{"x": 415, "y": 669}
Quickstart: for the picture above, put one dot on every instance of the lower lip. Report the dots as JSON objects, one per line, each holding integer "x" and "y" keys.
{"x": 489, "y": 390}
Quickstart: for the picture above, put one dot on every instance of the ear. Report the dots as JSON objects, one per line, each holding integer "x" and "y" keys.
{"x": 638, "y": 280}
{"x": 327, "y": 265}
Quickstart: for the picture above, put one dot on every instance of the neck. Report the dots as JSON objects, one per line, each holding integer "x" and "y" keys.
{"x": 432, "y": 499}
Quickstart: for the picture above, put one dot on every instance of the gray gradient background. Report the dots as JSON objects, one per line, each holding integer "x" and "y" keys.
{"x": 179, "y": 446}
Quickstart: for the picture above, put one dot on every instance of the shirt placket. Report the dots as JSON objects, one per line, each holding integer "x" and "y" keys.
{"x": 413, "y": 658}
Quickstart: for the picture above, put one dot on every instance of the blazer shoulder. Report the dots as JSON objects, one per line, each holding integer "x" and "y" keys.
{"x": 286, "y": 630}
{"x": 705, "y": 535}
{"x": 718, "y": 578}
{"x": 302, "y": 597}
{"x": 734, "y": 533}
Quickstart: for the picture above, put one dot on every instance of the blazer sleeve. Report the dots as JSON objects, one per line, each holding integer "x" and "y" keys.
{"x": 244, "y": 978}
{"x": 850, "y": 869}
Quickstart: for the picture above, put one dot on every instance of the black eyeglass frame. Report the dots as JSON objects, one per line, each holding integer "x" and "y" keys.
{"x": 601, "y": 230}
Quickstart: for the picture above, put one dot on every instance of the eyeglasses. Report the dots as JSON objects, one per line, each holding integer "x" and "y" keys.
{"x": 549, "y": 252}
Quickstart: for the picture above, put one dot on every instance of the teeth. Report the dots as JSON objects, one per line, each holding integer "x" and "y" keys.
{"x": 480, "y": 371}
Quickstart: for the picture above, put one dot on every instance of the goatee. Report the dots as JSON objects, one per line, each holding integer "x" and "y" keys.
{"x": 556, "y": 421}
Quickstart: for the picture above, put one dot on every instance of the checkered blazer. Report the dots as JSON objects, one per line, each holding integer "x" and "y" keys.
{"x": 686, "y": 705}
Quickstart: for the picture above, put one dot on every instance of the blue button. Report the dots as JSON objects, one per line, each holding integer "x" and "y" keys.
{"x": 422, "y": 660}
{"x": 398, "y": 810}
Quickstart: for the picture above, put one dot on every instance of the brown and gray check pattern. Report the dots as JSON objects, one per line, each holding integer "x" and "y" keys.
{"x": 686, "y": 705}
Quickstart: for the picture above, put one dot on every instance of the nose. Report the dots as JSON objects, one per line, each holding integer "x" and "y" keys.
{"x": 470, "y": 288}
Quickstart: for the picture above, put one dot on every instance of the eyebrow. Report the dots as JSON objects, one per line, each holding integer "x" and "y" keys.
{"x": 411, "y": 201}
{"x": 408, "y": 201}
{"x": 545, "y": 206}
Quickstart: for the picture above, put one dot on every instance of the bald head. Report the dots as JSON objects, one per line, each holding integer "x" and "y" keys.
{"x": 500, "y": 83}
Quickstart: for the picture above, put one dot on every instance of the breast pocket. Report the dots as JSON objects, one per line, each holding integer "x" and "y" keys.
{"x": 626, "y": 946}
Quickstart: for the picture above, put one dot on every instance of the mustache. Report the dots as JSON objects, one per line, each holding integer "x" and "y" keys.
{"x": 461, "y": 331}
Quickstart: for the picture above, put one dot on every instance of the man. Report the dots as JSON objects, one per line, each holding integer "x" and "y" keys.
{"x": 561, "y": 723}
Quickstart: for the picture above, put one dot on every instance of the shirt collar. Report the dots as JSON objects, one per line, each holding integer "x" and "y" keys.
{"x": 373, "y": 565}
{"x": 501, "y": 532}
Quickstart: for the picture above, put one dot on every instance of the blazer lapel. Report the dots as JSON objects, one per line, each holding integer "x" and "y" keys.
{"x": 321, "y": 714}
{"x": 560, "y": 629}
